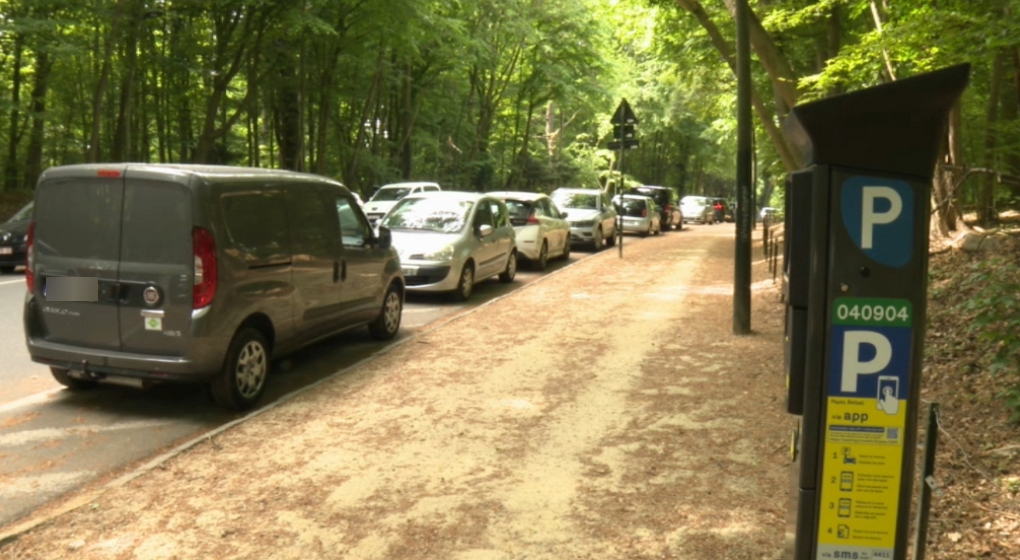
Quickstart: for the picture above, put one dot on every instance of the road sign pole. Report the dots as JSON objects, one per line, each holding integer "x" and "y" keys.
{"x": 856, "y": 341}
{"x": 619, "y": 215}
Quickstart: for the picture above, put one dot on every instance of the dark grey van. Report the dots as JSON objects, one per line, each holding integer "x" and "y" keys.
{"x": 176, "y": 273}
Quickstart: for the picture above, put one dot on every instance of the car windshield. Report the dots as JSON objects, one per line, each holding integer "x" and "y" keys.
{"x": 583, "y": 201}
{"x": 441, "y": 215}
{"x": 24, "y": 214}
{"x": 387, "y": 194}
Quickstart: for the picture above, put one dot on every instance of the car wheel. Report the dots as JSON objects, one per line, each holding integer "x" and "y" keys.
{"x": 386, "y": 325}
{"x": 64, "y": 378}
{"x": 543, "y": 257}
{"x": 566, "y": 249}
{"x": 598, "y": 240}
{"x": 243, "y": 379}
{"x": 466, "y": 283}
{"x": 648, "y": 231}
{"x": 611, "y": 240}
{"x": 6, "y": 269}
{"x": 510, "y": 272}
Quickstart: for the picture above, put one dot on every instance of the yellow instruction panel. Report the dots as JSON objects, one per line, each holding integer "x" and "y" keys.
{"x": 866, "y": 412}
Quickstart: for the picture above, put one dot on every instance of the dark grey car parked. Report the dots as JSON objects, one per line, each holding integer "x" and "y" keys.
{"x": 165, "y": 273}
{"x": 13, "y": 239}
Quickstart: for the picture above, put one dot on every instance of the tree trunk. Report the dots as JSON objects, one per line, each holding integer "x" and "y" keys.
{"x": 791, "y": 158}
{"x": 945, "y": 218}
{"x": 120, "y": 151}
{"x": 774, "y": 61}
{"x": 986, "y": 197}
{"x": 12, "y": 175}
{"x": 33, "y": 166}
{"x": 104, "y": 78}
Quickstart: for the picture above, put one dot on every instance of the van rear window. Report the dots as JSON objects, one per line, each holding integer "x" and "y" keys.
{"x": 157, "y": 223}
{"x": 79, "y": 218}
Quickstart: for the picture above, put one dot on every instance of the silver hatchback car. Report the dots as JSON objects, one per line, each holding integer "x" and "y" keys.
{"x": 449, "y": 240}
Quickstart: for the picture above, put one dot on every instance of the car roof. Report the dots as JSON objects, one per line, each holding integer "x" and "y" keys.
{"x": 409, "y": 184}
{"x": 518, "y": 195}
{"x": 578, "y": 190}
{"x": 452, "y": 195}
{"x": 653, "y": 187}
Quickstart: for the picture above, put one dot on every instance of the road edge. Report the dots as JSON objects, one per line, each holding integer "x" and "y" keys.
{"x": 9, "y": 535}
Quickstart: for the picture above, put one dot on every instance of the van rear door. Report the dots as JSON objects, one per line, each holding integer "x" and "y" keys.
{"x": 156, "y": 259}
{"x": 77, "y": 234}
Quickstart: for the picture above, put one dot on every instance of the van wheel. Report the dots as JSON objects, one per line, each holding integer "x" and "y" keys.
{"x": 466, "y": 283}
{"x": 243, "y": 378}
{"x": 64, "y": 378}
{"x": 510, "y": 272}
{"x": 543, "y": 257}
{"x": 386, "y": 325}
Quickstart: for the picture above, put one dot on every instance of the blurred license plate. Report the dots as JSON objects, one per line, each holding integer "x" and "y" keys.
{"x": 6, "y": 250}
{"x": 410, "y": 270}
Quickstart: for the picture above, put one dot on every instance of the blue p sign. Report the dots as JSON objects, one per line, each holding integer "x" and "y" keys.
{"x": 878, "y": 213}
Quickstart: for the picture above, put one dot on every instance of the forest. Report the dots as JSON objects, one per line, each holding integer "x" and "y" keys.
{"x": 487, "y": 94}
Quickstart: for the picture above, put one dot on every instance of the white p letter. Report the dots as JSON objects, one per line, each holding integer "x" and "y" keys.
{"x": 852, "y": 366}
{"x": 871, "y": 218}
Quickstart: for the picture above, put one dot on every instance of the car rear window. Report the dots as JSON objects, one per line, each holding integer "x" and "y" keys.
{"x": 519, "y": 211}
{"x": 632, "y": 207}
{"x": 661, "y": 196}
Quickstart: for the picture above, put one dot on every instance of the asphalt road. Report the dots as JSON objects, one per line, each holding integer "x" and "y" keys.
{"x": 53, "y": 440}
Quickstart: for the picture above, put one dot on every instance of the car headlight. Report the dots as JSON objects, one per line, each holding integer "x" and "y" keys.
{"x": 444, "y": 254}
{"x": 586, "y": 223}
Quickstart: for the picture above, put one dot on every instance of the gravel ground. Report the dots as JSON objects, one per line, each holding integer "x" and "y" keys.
{"x": 605, "y": 412}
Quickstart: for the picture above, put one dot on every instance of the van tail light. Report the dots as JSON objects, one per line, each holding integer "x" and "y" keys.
{"x": 29, "y": 260}
{"x": 533, "y": 220}
{"x": 205, "y": 267}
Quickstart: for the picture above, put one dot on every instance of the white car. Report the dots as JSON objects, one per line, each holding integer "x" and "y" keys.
{"x": 387, "y": 196}
{"x": 697, "y": 209}
{"x": 640, "y": 214}
{"x": 448, "y": 241}
{"x": 542, "y": 229}
{"x": 591, "y": 216}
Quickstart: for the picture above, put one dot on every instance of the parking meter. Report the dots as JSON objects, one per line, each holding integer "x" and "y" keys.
{"x": 856, "y": 277}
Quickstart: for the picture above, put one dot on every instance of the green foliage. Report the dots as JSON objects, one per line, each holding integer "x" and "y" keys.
{"x": 995, "y": 312}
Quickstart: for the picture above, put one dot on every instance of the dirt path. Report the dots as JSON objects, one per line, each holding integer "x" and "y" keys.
{"x": 606, "y": 412}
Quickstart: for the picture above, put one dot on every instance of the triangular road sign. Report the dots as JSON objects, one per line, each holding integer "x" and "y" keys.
{"x": 624, "y": 114}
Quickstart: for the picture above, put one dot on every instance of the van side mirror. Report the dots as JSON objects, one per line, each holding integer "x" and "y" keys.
{"x": 384, "y": 238}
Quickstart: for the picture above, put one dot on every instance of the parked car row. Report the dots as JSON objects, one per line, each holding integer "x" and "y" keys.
{"x": 141, "y": 274}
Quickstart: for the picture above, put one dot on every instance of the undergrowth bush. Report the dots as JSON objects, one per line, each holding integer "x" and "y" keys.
{"x": 995, "y": 311}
